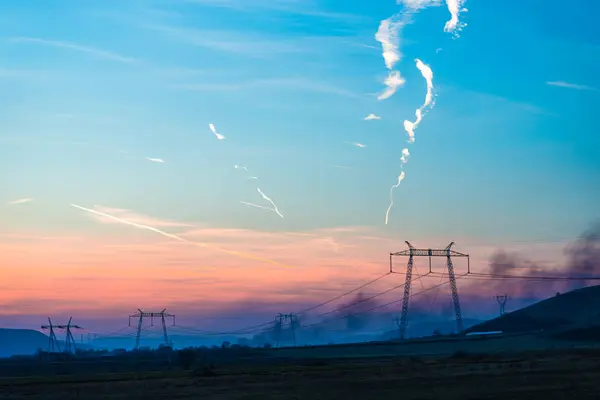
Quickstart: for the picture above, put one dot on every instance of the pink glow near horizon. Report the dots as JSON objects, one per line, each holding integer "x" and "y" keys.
{"x": 97, "y": 275}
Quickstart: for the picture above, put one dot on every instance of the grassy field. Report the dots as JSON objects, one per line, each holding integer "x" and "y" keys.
{"x": 549, "y": 375}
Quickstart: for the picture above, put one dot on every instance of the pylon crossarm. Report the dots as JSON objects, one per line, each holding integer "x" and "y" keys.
{"x": 428, "y": 253}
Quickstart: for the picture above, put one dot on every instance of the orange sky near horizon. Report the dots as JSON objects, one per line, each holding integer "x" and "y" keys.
{"x": 129, "y": 268}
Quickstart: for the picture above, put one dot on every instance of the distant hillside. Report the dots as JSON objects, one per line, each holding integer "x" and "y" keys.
{"x": 21, "y": 342}
{"x": 568, "y": 309}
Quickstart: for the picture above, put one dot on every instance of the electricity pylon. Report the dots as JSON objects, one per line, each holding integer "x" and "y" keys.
{"x": 502, "y": 299}
{"x": 70, "y": 340}
{"x": 141, "y": 315}
{"x": 53, "y": 344}
{"x": 414, "y": 252}
{"x": 279, "y": 322}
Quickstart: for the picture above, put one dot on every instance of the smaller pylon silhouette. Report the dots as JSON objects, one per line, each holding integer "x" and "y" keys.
{"x": 70, "y": 346}
{"x": 53, "y": 344}
{"x": 280, "y": 321}
{"x": 142, "y": 314}
{"x": 502, "y": 299}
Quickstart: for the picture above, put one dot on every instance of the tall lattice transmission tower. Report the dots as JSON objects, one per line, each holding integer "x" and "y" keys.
{"x": 140, "y": 315}
{"x": 414, "y": 252}
{"x": 70, "y": 346}
{"x": 53, "y": 343}
{"x": 279, "y": 324}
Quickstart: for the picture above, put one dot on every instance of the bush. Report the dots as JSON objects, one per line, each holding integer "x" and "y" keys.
{"x": 186, "y": 358}
{"x": 206, "y": 371}
{"x": 461, "y": 354}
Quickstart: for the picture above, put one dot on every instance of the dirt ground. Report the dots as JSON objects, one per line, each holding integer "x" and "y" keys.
{"x": 548, "y": 376}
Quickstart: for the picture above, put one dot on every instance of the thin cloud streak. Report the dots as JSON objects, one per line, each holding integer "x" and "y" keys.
{"x": 75, "y": 47}
{"x": 282, "y": 6}
{"x": 571, "y": 85}
{"x": 362, "y": 146}
{"x": 20, "y": 201}
{"x": 178, "y": 238}
{"x": 249, "y": 44}
{"x": 278, "y": 83}
{"x": 257, "y": 206}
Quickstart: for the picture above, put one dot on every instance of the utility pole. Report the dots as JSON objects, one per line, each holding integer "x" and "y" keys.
{"x": 53, "y": 344}
{"x": 140, "y": 315}
{"x": 414, "y": 252}
{"x": 501, "y": 300}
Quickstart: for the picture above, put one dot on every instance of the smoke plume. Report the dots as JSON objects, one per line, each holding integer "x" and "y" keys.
{"x": 355, "y": 314}
{"x": 583, "y": 260}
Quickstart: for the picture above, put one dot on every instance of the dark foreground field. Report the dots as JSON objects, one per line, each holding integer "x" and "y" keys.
{"x": 549, "y": 375}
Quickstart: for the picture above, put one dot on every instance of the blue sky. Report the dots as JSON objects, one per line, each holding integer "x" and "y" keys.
{"x": 502, "y": 155}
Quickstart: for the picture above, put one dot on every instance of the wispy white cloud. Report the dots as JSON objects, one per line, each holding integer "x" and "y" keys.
{"x": 298, "y": 7}
{"x": 134, "y": 217}
{"x": 214, "y": 131}
{"x": 454, "y": 25}
{"x": 257, "y": 206}
{"x": 260, "y": 45}
{"x": 341, "y": 166}
{"x": 371, "y": 117}
{"x": 388, "y": 35}
{"x": 267, "y": 198}
{"x": 570, "y": 85}
{"x": 75, "y": 47}
{"x": 393, "y": 81}
{"x": 156, "y": 160}
{"x": 245, "y": 43}
{"x": 11, "y": 73}
{"x": 21, "y": 201}
{"x": 427, "y": 73}
{"x": 357, "y": 144}
{"x": 303, "y": 84}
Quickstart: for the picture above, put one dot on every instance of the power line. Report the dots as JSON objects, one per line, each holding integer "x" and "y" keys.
{"x": 534, "y": 277}
{"x": 253, "y": 328}
{"x": 369, "y": 298}
{"x": 385, "y": 304}
{"x": 344, "y": 294}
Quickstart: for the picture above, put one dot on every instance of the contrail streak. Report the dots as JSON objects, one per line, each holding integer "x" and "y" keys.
{"x": 264, "y": 196}
{"x": 180, "y": 239}
{"x": 214, "y": 130}
{"x": 387, "y": 213}
{"x": 270, "y": 201}
{"x": 362, "y": 146}
{"x": 405, "y": 155}
{"x": 257, "y": 206}
{"x": 427, "y": 73}
{"x": 20, "y": 201}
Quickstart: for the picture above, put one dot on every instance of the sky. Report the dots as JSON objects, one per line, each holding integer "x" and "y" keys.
{"x": 107, "y": 105}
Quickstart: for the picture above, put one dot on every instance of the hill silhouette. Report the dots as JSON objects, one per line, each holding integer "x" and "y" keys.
{"x": 21, "y": 342}
{"x": 576, "y": 309}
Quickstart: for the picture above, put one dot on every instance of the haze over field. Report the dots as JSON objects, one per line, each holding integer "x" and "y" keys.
{"x": 232, "y": 160}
